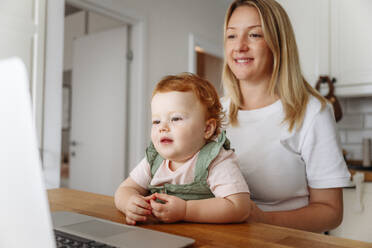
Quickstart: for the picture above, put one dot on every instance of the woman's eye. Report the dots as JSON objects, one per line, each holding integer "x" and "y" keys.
{"x": 253, "y": 35}
{"x": 231, "y": 36}
{"x": 155, "y": 122}
{"x": 176, "y": 118}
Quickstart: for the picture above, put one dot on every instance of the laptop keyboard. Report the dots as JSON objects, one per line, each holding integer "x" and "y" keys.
{"x": 66, "y": 240}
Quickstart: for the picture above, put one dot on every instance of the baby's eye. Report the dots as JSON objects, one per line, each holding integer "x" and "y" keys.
{"x": 177, "y": 118}
{"x": 155, "y": 122}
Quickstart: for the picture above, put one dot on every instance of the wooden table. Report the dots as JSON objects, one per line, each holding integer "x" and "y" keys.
{"x": 206, "y": 235}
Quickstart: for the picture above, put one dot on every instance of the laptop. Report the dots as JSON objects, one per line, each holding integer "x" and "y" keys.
{"x": 25, "y": 218}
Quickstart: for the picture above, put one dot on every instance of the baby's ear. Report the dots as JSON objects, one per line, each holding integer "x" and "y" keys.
{"x": 210, "y": 127}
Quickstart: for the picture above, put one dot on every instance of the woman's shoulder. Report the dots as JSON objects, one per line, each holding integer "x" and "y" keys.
{"x": 315, "y": 115}
{"x": 315, "y": 108}
{"x": 316, "y": 112}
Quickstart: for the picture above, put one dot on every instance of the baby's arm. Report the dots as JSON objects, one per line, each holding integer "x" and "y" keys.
{"x": 130, "y": 199}
{"x": 231, "y": 204}
{"x": 231, "y": 209}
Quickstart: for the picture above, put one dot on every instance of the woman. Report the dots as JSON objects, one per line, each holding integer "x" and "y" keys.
{"x": 282, "y": 129}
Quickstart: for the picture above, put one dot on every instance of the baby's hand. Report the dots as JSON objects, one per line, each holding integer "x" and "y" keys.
{"x": 173, "y": 209}
{"x": 138, "y": 208}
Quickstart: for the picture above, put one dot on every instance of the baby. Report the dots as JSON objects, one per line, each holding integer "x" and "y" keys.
{"x": 188, "y": 173}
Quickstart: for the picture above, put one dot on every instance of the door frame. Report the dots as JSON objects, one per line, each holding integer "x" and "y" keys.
{"x": 196, "y": 41}
{"x": 138, "y": 71}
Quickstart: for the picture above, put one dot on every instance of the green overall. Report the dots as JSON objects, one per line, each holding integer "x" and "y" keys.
{"x": 199, "y": 188}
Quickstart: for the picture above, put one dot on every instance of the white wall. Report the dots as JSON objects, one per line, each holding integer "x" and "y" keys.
{"x": 22, "y": 32}
{"x": 53, "y": 93}
{"x": 97, "y": 23}
{"x": 75, "y": 25}
{"x": 356, "y": 124}
{"x": 168, "y": 23}
{"x": 164, "y": 26}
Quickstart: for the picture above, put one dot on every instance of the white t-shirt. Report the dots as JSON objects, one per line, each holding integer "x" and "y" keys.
{"x": 279, "y": 165}
{"x": 224, "y": 176}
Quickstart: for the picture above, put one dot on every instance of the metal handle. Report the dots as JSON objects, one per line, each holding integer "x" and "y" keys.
{"x": 74, "y": 143}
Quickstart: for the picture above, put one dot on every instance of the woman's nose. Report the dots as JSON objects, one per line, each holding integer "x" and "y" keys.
{"x": 242, "y": 44}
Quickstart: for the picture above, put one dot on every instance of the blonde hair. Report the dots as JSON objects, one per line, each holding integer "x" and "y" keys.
{"x": 204, "y": 91}
{"x": 286, "y": 79}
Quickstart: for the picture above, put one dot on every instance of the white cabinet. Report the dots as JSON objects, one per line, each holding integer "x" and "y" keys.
{"x": 334, "y": 38}
{"x": 309, "y": 20}
{"x": 351, "y": 46}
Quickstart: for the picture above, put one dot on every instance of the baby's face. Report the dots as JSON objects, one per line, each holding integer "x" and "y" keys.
{"x": 178, "y": 125}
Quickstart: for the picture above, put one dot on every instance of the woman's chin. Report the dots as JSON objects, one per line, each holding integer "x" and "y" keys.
{"x": 243, "y": 76}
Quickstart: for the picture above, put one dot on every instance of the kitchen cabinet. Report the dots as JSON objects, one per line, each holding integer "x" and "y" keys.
{"x": 334, "y": 38}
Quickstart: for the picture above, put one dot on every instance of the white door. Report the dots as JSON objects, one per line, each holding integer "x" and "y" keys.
{"x": 97, "y": 149}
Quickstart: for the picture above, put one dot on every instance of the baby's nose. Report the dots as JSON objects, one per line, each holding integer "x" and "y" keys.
{"x": 164, "y": 127}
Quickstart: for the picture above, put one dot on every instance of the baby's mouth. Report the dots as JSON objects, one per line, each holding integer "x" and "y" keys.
{"x": 166, "y": 140}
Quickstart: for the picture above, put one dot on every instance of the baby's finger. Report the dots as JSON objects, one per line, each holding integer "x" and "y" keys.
{"x": 139, "y": 210}
{"x": 135, "y": 217}
{"x": 157, "y": 214}
{"x": 158, "y": 207}
{"x": 142, "y": 202}
{"x": 163, "y": 197}
{"x": 129, "y": 221}
{"x": 149, "y": 197}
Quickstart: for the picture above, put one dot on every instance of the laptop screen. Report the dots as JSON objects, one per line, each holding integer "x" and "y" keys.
{"x": 24, "y": 211}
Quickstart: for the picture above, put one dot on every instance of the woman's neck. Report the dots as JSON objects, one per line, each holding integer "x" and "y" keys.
{"x": 256, "y": 95}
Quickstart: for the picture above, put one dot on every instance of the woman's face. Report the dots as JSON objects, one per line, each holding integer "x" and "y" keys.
{"x": 246, "y": 51}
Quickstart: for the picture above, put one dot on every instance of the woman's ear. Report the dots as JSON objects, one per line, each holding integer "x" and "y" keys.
{"x": 210, "y": 127}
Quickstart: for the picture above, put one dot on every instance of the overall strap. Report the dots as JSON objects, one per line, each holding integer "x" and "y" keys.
{"x": 207, "y": 154}
{"x": 153, "y": 158}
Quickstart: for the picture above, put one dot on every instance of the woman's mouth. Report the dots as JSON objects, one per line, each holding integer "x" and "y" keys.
{"x": 243, "y": 61}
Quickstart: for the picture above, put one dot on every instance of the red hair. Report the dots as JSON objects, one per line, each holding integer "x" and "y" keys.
{"x": 203, "y": 90}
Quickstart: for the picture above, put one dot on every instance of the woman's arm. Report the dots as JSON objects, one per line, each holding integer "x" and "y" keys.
{"x": 324, "y": 212}
{"x": 231, "y": 209}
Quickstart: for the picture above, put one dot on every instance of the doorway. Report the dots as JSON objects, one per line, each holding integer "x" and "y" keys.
{"x": 88, "y": 98}
{"x": 206, "y": 60}
{"x": 209, "y": 67}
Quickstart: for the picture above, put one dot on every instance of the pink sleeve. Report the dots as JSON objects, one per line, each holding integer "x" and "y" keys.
{"x": 225, "y": 177}
{"x": 141, "y": 174}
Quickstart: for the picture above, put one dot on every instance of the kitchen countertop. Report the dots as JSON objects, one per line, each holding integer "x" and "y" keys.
{"x": 353, "y": 170}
